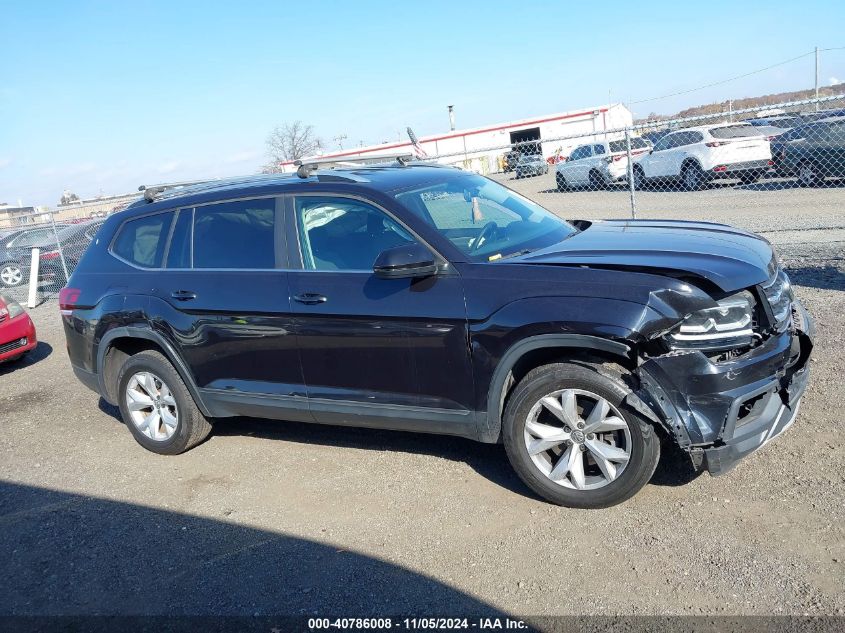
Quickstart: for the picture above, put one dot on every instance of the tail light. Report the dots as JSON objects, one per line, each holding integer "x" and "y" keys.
{"x": 770, "y": 163}
{"x": 67, "y": 300}
{"x": 46, "y": 255}
{"x": 720, "y": 168}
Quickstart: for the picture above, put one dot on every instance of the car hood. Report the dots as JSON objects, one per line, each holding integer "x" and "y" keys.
{"x": 730, "y": 258}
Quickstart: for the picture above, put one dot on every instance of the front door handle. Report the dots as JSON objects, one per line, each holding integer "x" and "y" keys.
{"x": 310, "y": 298}
{"x": 183, "y": 295}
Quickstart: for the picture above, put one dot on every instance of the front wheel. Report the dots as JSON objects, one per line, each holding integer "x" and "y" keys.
{"x": 562, "y": 185}
{"x": 11, "y": 275}
{"x": 571, "y": 439}
{"x": 157, "y": 407}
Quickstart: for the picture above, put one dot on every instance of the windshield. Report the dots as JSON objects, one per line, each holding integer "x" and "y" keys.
{"x": 483, "y": 219}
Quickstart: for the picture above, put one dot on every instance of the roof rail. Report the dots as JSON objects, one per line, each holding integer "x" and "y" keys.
{"x": 305, "y": 166}
{"x": 151, "y": 191}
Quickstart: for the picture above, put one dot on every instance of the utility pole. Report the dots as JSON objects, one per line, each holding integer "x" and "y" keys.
{"x": 339, "y": 140}
{"x": 451, "y": 118}
{"x": 817, "y": 78}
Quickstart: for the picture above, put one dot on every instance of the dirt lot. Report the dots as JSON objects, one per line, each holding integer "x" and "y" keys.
{"x": 279, "y": 518}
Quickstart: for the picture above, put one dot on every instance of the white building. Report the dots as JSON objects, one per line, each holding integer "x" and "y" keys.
{"x": 479, "y": 149}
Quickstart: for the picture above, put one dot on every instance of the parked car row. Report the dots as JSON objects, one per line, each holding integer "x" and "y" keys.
{"x": 691, "y": 157}
{"x": 16, "y": 248}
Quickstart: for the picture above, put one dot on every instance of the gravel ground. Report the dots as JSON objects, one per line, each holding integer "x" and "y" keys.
{"x": 283, "y": 518}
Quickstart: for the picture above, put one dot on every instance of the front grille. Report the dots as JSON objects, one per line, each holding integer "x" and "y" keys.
{"x": 778, "y": 291}
{"x": 13, "y": 345}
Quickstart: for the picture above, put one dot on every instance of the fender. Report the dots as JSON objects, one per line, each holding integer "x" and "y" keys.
{"x": 495, "y": 394}
{"x": 146, "y": 333}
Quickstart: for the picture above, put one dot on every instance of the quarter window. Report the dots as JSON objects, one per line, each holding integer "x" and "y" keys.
{"x": 141, "y": 241}
{"x": 236, "y": 234}
{"x": 344, "y": 234}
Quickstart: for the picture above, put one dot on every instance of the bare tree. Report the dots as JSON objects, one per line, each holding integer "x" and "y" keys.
{"x": 68, "y": 197}
{"x": 291, "y": 141}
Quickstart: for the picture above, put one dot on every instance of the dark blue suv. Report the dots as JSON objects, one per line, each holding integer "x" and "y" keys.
{"x": 426, "y": 298}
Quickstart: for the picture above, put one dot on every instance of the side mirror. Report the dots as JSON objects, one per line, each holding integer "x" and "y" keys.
{"x": 407, "y": 261}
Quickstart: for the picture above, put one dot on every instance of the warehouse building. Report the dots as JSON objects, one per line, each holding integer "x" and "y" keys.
{"x": 481, "y": 149}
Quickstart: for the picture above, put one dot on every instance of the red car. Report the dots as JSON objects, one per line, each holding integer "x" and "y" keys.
{"x": 17, "y": 332}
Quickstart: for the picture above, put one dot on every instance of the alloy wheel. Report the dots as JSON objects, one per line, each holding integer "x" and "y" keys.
{"x": 692, "y": 178}
{"x": 151, "y": 406}
{"x": 807, "y": 175}
{"x": 577, "y": 439}
{"x": 11, "y": 275}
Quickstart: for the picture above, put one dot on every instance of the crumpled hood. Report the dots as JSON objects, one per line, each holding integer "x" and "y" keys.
{"x": 730, "y": 258}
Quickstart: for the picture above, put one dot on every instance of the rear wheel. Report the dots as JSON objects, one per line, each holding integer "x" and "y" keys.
{"x": 572, "y": 440}
{"x": 692, "y": 177}
{"x": 809, "y": 175}
{"x": 11, "y": 275}
{"x": 639, "y": 178}
{"x": 157, "y": 407}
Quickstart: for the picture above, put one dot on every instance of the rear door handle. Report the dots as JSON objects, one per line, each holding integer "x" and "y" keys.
{"x": 183, "y": 295}
{"x": 310, "y": 298}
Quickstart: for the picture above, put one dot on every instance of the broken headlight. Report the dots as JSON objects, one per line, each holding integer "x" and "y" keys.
{"x": 727, "y": 325}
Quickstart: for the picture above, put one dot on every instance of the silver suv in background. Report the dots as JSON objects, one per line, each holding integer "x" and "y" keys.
{"x": 600, "y": 164}
{"x": 531, "y": 165}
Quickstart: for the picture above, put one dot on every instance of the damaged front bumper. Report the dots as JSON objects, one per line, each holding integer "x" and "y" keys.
{"x": 720, "y": 412}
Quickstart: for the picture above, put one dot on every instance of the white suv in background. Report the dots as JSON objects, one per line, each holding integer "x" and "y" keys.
{"x": 599, "y": 164}
{"x": 696, "y": 155}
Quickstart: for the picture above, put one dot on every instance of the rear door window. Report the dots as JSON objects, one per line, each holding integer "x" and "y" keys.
{"x": 621, "y": 146}
{"x": 141, "y": 241}
{"x": 235, "y": 235}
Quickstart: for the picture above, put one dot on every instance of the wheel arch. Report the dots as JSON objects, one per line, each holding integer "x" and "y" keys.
{"x": 690, "y": 161}
{"x": 121, "y": 342}
{"x": 533, "y": 351}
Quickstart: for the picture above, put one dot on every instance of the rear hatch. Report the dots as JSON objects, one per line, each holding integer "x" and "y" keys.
{"x": 738, "y": 143}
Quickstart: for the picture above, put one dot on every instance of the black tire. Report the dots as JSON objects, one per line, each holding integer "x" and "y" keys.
{"x": 640, "y": 182}
{"x": 597, "y": 379}
{"x": 809, "y": 175}
{"x": 597, "y": 182}
{"x": 562, "y": 185}
{"x": 192, "y": 427}
{"x": 692, "y": 177}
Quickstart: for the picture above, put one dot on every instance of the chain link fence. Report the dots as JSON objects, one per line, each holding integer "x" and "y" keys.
{"x": 41, "y": 256}
{"x": 777, "y": 146}
{"x": 794, "y": 145}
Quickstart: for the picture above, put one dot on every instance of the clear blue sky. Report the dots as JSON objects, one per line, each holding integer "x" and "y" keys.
{"x": 103, "y": 96}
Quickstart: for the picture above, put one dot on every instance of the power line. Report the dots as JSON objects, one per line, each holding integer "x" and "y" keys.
{"x": 724, "y": 81}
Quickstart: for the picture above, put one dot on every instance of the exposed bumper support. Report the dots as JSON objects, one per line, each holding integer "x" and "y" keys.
{"x": 722, "y": 412}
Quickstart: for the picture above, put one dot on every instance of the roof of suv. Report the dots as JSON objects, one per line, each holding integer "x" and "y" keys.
{"x": 380, "y": 177}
